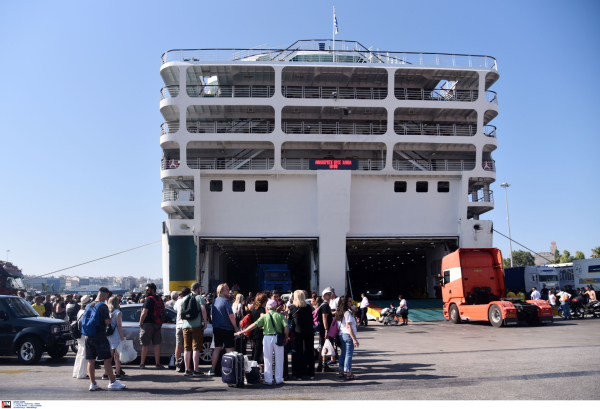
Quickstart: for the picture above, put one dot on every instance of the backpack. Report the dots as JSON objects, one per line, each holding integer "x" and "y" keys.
{"x": 189, "y": 309}
{"x": 245, "y": 323}
{"x": 160, "y": 314}
{"x": 90, "y": 320}
{"x": 407, "y": 305}
{"x": 76, "y": 329}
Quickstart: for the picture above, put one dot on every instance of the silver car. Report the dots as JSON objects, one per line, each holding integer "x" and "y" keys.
{"x": 131, "y": 330}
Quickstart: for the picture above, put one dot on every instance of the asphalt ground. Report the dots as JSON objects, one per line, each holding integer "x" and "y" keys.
{"x": 424, "y": 360}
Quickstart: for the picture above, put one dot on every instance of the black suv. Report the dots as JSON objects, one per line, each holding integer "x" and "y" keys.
{"x": 24, "y": 332}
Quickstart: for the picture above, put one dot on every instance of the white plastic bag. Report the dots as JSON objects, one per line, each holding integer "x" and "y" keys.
{"x": 327, "y": 349}
{"x": 126, "y": 351}
{"x": 247, "y": 365}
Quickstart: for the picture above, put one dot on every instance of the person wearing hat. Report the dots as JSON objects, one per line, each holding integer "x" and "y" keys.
{"x": 80, "y": 367}
{"x": 324, "y": 319}
{"x": 272, "y": 322}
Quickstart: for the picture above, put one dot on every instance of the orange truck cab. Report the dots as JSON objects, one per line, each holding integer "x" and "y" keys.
{"x": 473, "y": 289}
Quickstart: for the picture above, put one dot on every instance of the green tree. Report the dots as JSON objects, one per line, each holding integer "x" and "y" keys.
{"x": 566, "y": 257}
{"x": 52, "y": 287}
{"x": 506, "y": 262}
{"x": 522, "y": 258}
{"x": 596, "y": 252}
{"x": 556, "y": 257}
{"x": 579, "y": 256}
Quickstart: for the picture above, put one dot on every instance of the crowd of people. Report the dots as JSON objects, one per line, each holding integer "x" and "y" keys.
{"x": 560, "y": 300}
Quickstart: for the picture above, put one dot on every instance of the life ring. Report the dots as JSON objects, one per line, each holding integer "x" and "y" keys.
{"x": 173, "y": 164}
{"x": 488, "y": 166}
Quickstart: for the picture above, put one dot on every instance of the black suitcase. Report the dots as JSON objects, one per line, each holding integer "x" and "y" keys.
{"x": 233, "y": 369}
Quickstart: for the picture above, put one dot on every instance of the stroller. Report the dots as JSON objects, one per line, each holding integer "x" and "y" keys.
{"x": 389, "y": 319}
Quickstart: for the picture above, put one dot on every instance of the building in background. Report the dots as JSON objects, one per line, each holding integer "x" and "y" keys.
{"x": 355, "y": 168}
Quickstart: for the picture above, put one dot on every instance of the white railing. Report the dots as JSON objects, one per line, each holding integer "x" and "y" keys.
{"x": 231, "y": 164}
{"x": 433, "y": 165}
{"x": 169, "y": 127}
{"x": 491, "y": 96}
{"x": 333, "y": 92}
{"x": 354, "y": 54}
{"x": 230, "y": 91}
{"x": 409, "y": 128}
{"x": 481, "y": 195}
{"x": 169, "y": 164}
{"x": 371, "y": 164}
{"x": 489, "y": 165}
{"x": 415, "y": 94}
{"x": 170, "y": 91}
{"x": 178, "y": 195}
{"x": 349, "y": 128}
{"x": 239, "y": 126}
{"x": 489, "y": 130}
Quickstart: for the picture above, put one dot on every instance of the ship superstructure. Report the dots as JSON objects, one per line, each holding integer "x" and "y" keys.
{"x": 355, "y": 167}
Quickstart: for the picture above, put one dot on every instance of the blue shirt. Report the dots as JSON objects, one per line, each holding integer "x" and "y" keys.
{"x": 221, "y": 308}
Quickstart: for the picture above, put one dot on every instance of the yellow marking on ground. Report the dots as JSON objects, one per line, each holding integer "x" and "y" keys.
{"x": 14, "y": 371}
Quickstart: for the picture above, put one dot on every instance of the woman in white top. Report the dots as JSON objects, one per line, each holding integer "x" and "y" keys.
{"x": 238, "y": 308}
{"x": 80, "y": 367}
{"x": 347, "y": 326}
{"x": 116, "y": 322}
{"x": 552, "y": 301}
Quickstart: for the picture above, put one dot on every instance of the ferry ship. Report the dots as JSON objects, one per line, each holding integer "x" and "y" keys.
{"x": 357, "y": 168}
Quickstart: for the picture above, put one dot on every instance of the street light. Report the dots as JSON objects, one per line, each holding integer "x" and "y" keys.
{"x": 505, "y": 185}
{"x": 7, "y": 251}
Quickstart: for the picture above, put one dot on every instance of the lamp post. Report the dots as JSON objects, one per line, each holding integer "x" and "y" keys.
{"x": 7, "y": 251}
{"x": 506, "y": 185}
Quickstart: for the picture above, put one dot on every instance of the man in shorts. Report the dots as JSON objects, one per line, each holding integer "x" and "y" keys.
{"x": 324, "y": 318}
{"x": 179, "y": 323}
{"x": 97, "y": 347}
{"x": 223, "y": 322}
{"x": 149, "y": 328}
{"x": 193, "y": 331}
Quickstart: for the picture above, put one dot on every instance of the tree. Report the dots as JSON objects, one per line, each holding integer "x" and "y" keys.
{"x": 522, "y": 258}
{"x": 596, "y": 252}
{"x": 506, "y": 262}
{"x": 566, "y": 257}
{"x": 556, "y": 257}
{"x": 579, "y": 256}
{"x": 52, "y": 287}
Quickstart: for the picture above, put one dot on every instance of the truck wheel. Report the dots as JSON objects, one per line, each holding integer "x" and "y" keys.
{"x": 454, "y": 314}
{"x": 58, "y": 352}
{"x": 29, "y": 351}
{"x": 495, "y": 316}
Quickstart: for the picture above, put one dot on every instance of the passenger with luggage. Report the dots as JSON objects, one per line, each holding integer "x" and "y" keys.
{"x": 257, "y": 335}
{"x": 276, "y": 335}
{"x": 403, "y": 310}
{"x": 193, "y": 314}
{"x": 324, "y": 320}
{"x": 224, "y": 325}
{"x": 347, "y": 326}
{"x": 93, "y": 326}
{"x": 150, "y": 325}
{"x": 303, "y": 357}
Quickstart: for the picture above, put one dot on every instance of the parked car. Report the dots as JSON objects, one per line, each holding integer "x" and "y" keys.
{"x": 131, "y": 330}
{"x": 24, "y": 333}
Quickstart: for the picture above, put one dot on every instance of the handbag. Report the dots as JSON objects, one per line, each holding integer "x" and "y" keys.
{"x": 280, "y": 335}
{"x": 333, "y": 329}
{"x": 327, "y": 349}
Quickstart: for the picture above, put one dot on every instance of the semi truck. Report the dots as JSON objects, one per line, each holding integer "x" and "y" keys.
{"x": 11, "y": 279}
{"x": 274, "y": 277}
{"x": 473, "y": 289}
{"x": 524, "y": 278}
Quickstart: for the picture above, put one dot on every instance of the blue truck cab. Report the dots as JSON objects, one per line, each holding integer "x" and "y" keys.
{"x": 274, "y": 277}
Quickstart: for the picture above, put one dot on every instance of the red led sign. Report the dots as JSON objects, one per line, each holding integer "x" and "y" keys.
{"x": 340, "y": 164}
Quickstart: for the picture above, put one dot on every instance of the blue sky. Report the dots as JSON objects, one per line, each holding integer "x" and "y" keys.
{"x": 81, "y": 82}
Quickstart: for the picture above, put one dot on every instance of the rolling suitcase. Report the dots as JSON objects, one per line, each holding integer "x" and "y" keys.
{"x": 233, "y": 369}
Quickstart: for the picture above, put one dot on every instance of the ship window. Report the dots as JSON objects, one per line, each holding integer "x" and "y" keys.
{"x": 443, "y": 187}
{"x": 422, "y": 187}
{"x": 216, "y": 185}
{"x": 400, "y": 187}
{"x": 261, "y": 185}
{"x": 239, "y": 185}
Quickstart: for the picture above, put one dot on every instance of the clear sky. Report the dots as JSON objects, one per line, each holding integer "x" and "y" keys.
{"x": 80, "y": 111}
